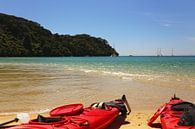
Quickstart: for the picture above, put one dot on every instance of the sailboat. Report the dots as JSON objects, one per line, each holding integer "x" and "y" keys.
{"x": 159, "y": 53}
{"x": 172, "y": 52}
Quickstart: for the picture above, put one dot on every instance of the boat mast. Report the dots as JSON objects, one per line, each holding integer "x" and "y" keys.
{"x": 159, "y": 53}
{"x": 172, "y": 52}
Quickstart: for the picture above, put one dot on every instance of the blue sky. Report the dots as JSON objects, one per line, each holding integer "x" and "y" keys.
{"x": 136, "y": 27}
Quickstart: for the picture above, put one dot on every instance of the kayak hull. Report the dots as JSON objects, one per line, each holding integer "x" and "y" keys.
{"x": 84, "y": 118}
{"x": 169, "y": 118}
{"x": 97, "y": 119}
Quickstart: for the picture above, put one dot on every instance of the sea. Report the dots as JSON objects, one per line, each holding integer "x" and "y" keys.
{"x": 38, "y": 84}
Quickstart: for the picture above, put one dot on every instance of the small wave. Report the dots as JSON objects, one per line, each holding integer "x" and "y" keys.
{"x": 121, "y": 75}
{"x": 127, "y": 78}
{"x": 88, "y": 71}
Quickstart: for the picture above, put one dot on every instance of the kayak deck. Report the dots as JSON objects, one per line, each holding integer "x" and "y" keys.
{"x": 74, "y": 116}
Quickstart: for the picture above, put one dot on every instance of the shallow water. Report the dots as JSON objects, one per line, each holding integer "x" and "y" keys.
{"x": 39, "y": 84}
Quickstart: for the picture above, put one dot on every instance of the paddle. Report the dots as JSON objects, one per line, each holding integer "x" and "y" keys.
{"x": 8, "y": 122}
{"x": 127, "y": 104}
{"x": 23, "y": 117}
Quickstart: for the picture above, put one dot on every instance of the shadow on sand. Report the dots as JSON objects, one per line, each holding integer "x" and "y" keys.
{"x": 116, "y": 124}
{"x": 156, "y": 125}
{"x": 120, "y": 120}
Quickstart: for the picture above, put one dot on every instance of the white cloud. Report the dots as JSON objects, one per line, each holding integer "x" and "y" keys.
{"x": 164, "y": 20}
{"x": 191, "y": 39}
{"x": 166, "y": 25}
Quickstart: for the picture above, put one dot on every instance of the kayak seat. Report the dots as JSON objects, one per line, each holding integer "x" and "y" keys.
{"x": 120, "y": 106}
{"x": 188, "y": 117}
{"x": 181, "y": 106}
{"x": 42, "y": 119}
{"x": 106, "y": 106}
{"x": 100, "y": 105}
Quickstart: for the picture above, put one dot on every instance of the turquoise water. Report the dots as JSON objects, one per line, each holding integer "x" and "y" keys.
{"x": 44, "y": 82}
{"x": 164, "y": 65}
{"x": 133, "y": 68}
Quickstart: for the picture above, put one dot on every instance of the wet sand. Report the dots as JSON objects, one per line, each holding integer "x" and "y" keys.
{"x": 43, "y": 90}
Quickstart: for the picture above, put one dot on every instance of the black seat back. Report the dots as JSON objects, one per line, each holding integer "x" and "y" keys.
{"x": 188, "y": 117}
{"x": 181, "y": 106}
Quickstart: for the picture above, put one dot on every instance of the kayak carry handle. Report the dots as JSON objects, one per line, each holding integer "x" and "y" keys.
{"x": 124, "y": 99}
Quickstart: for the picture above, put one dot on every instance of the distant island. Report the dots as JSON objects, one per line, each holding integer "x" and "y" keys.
{"x": 24, "y": 38}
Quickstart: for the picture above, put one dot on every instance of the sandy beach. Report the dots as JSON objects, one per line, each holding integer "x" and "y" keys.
{"x": 136, "y": 120}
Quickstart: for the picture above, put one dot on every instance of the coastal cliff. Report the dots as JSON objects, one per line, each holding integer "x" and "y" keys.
{"x": 21, "y": 37}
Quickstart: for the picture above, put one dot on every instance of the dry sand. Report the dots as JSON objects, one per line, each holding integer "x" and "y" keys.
{"x": 136, "y": 120}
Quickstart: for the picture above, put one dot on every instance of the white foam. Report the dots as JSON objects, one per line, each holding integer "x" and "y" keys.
{"x": 30, "y": 112}
{"x": 121, "y": 75}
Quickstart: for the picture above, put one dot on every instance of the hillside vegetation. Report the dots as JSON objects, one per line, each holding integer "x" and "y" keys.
{"x": 21, "y": 37}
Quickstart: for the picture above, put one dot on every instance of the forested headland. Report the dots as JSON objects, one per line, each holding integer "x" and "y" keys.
{"x": 25, "y": 38}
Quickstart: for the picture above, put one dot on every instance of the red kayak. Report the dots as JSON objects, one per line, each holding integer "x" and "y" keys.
{"x": 176, "y": 114}
{"x": 74, "y": 116}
